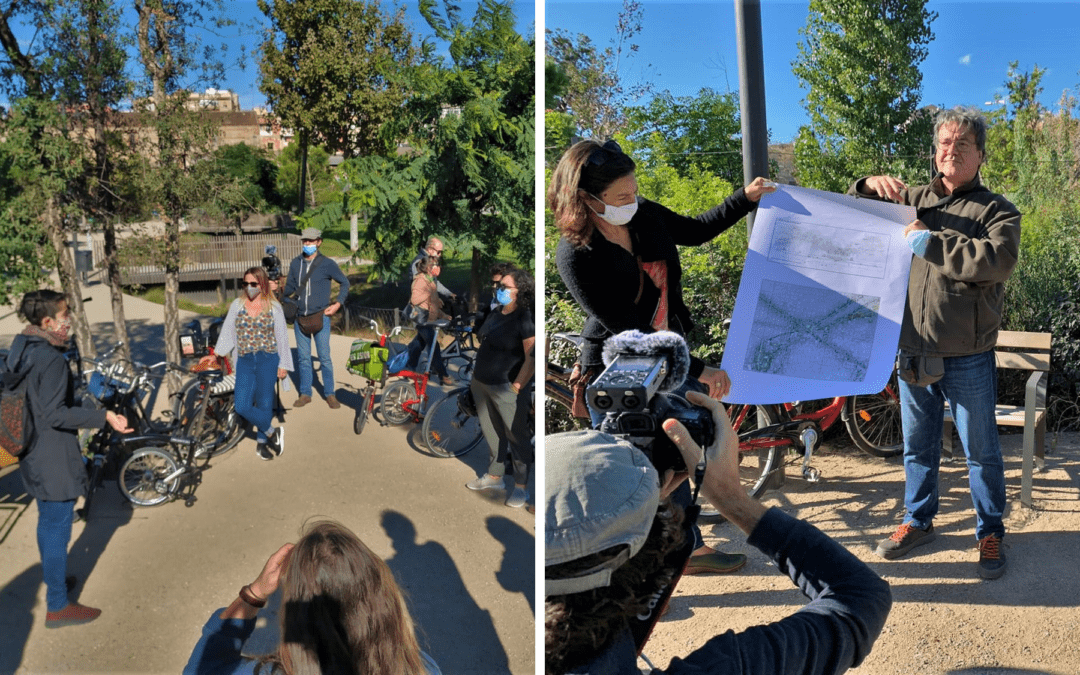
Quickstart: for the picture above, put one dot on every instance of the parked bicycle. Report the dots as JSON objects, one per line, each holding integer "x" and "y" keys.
{"x": 460, "y": 355}
{"x": 406, "y": 400}
{"x": 166, "y": 468}
{"x": 370, "y": 360}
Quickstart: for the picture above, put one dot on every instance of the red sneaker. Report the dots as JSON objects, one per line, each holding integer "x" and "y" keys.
{"x": 72, "y": 615}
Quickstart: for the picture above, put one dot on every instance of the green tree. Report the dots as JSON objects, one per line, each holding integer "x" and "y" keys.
{"x": 688, "y": 131}
{"x": 331, "y": 69}
{"x": 859, "y": 62}
{"x": 470, "y": 122}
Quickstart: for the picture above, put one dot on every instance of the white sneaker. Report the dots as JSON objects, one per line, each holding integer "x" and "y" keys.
{"x": 486, "y": 482}
{"x": 518, "y": 497}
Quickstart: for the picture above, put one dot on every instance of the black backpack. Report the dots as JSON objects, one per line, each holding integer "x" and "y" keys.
{"x": 16, "y": 422}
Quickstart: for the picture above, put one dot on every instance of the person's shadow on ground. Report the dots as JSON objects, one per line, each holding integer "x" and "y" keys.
{"x": 451, "y": 627}
{"x": 516, "y": 574}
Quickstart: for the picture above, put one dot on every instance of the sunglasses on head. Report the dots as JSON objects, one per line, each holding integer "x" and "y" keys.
{"x": 601, "y": 155}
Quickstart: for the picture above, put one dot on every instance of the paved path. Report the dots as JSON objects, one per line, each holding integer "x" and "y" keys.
{"x": 465, "y": 560}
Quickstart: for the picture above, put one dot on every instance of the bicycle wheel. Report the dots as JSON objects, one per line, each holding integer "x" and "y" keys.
{"x": 392, "y": 407}
{"x": 220, "y": 429}
{"x": 141, "y": 477}
{"x": 873, "y": 422}
{"x": 758, "y": 457}
{"x": 362, "y": 414}
{"x": 460, "y": 366}
{"x": 450, "y": 427}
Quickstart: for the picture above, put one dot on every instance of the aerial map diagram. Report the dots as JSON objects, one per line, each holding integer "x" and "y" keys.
{"x": 809, "y": 332}
{"x": 821, "y": 298}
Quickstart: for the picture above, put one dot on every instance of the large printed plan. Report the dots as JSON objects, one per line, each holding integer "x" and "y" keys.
{"x": 821, "y": 298}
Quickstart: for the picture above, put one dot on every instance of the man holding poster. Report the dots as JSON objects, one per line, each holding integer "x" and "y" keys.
{"x": 966, "y": 241}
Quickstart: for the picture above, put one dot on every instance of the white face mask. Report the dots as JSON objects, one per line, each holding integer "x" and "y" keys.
{"x": 616, "y": 215}
{"x": 253, "y": 292}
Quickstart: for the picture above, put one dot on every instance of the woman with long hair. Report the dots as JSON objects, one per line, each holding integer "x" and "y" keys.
{"x": 504, "y": 367}
{"x": 254, "y": 328}
{"x": 341, "y": 613}
{"x": 618, "y": 257}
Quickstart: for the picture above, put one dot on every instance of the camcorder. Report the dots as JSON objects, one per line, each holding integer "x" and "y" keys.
{"x": 271, "y": 263}
{"x": 635, "y": 395}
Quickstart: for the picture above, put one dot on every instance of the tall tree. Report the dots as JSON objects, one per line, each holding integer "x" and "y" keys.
{"x": 330, "y": 69}
{"x": 471, "y": 124}
{"x": 859, "y": 62}
{"x": 169, "y": 51}
{"x": 596, "y": 91}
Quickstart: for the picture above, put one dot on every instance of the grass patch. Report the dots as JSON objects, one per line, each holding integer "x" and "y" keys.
{"x": 156, "y": 294}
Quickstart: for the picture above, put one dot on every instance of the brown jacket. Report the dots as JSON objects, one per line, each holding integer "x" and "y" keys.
{"x": 956, "y": 290}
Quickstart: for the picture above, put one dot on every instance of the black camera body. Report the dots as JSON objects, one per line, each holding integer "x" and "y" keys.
{"x": 271, "y": 263}
{"x": 628, "y": 392}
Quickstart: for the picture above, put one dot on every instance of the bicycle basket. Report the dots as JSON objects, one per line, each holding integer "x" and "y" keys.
{"x": 367, "y": 359}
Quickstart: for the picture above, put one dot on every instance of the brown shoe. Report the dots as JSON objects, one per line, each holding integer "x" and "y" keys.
{"x": 332, "y": 401}
{"x": 302, "y": 401}
{"x": 716, "y": 562}
{"x": 72, "y": 615}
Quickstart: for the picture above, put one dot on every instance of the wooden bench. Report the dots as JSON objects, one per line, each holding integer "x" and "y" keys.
{"x": 1030, "y": 351}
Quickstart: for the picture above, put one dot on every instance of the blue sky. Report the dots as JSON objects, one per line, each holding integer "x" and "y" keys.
{"x": 684, "y": 47}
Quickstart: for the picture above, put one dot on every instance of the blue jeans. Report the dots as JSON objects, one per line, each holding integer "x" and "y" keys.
{"x": 303, "y": 357}
{"x": 970, "y": 387}
{"x": 256, "y": 375}
{"x": 53, "y": 536}
{"x": 425, "y": 335}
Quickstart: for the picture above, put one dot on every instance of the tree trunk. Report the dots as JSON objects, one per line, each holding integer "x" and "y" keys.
{"x": 303, "y": 173}
{"x": 474, "y": 282}
{"x": 116, "y": 293}
{"x": 69, "y": 281}
{"x": 172, "y": 292}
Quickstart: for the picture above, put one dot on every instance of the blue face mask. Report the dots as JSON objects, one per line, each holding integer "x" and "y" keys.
{"x": 309, "y": 249}
{"x": 503, "y": 297}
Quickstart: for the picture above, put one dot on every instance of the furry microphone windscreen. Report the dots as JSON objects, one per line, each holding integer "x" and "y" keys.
{"x": 662, "y": 343}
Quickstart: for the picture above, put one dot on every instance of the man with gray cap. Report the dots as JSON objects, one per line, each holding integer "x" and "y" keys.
{"x": 615, "y": 546}
{"x": 310, "y": 274}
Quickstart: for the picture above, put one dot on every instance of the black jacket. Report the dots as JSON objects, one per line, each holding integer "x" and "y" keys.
{"x": 604, "y": 278}
{"x": 52, "y": 467}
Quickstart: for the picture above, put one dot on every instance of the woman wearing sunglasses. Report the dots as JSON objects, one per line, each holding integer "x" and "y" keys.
{"x": 618, "y": 258}
{"x": 254, "y": 328}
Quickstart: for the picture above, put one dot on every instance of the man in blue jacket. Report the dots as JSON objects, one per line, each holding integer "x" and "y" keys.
{"x": 52, "y": 468}
{"x": 314, "y": 298}
{"x": 615, "y": 546}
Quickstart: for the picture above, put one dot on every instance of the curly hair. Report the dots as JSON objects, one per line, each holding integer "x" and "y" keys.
{"x": 578, "y": 625}
{"x": 576, "y": 172}
{"x": 525, "y": 285}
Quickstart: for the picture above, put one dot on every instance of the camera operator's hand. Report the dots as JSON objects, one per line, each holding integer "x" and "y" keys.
{"x": 721, "y": 485}
{"x": 716, "y": 380}
{"x": 273, "y": 285}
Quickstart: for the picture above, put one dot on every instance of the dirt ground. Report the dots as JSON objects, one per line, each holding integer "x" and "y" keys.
{"x": 945, "y": 620}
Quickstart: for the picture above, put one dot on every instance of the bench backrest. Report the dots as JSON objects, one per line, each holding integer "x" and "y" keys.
{"x": 1031, "y": 351}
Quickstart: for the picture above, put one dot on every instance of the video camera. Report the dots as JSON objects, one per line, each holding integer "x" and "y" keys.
{"x": 634, "y": 392}
{"x": 271, "y": 263}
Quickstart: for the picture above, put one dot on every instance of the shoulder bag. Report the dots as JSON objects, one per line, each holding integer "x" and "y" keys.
{"x": 288, "y": 303}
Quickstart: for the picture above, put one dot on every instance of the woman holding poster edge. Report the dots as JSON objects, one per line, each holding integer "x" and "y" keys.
{"x": 618, "y": 256}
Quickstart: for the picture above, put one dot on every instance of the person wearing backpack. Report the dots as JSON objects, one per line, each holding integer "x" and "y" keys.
{"x": 52, "y": 467}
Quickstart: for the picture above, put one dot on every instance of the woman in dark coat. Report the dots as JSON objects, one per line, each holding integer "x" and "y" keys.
{"x": 618, "y": 257}
{"x": 52, "y": 468}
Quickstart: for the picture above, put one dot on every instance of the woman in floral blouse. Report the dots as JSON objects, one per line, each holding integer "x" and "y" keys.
{"x": 254, "y": 328}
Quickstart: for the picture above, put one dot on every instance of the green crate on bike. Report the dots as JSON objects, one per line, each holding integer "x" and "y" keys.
{"x": 368, "y": 359}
